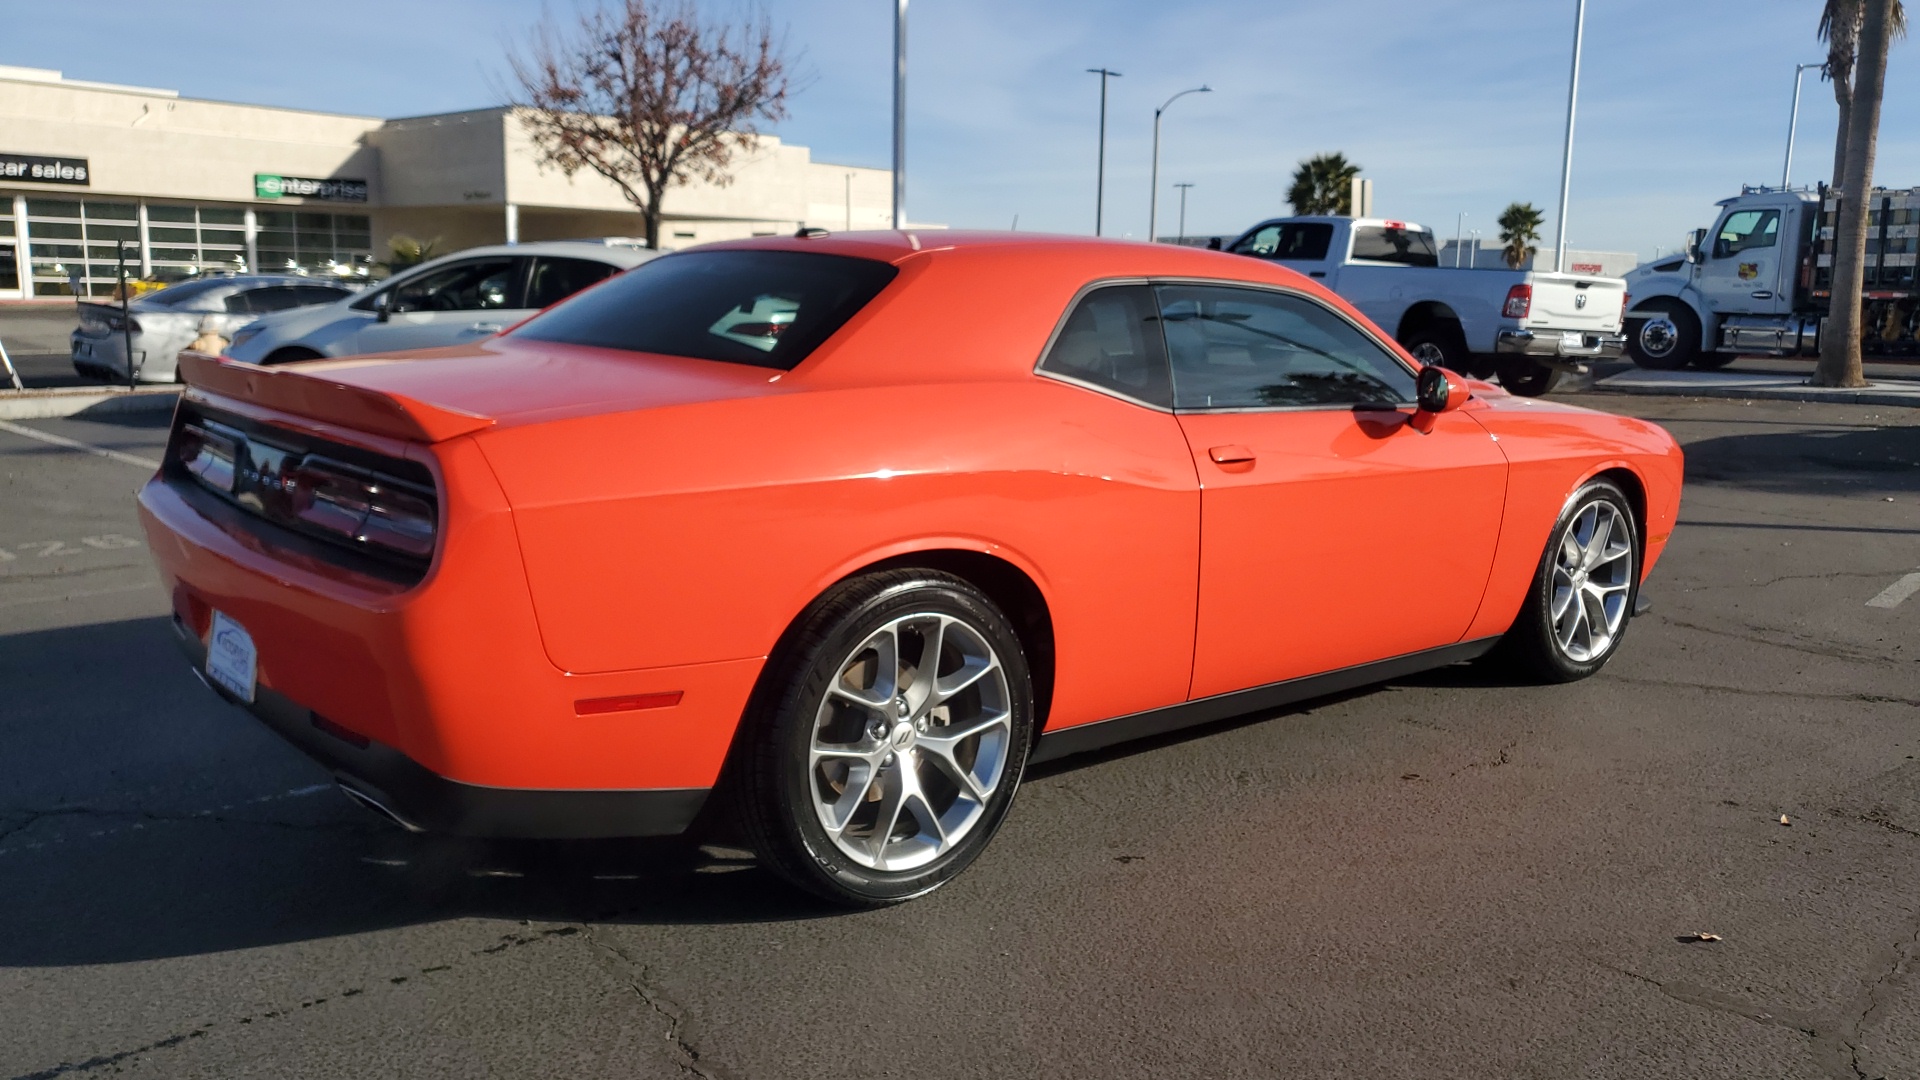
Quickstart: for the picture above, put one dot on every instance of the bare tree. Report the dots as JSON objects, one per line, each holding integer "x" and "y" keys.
{"x": 650, "y": 96}
{"x": 1840, "y": 342}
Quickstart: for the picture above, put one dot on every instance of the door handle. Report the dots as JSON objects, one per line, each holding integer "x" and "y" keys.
{"x": 485, "y": 328}
{"x": 1762, "y": 294}
{"x": 1317, "y": 273}
{"x": 1232, "y": 454}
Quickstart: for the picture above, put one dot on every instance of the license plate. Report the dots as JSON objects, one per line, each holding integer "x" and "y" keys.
{"x": 231, "y": 660}
{"x": 1572, "y": 339}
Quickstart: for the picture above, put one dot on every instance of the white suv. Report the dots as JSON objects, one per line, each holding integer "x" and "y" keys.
{"x": 444, "y": 301}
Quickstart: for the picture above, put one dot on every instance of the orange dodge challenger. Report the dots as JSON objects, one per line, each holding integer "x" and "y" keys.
{"x": 854, "y": 528}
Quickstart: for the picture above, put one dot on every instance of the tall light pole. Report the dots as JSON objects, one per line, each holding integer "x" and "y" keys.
{"x": 1793, "y": 120}
{"x": 1459, "y": 234}
{"x": 1100, "y": 178}
{"x": 1183, "y": 210}
{"x": 1566, "y": 159}
{"x": 1153, "y": 203}
{"x": 900, "y": 114}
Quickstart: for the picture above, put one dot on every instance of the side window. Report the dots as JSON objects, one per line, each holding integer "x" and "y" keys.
{"x": 1112, "y": 341}
{"x": 1745, "y": 230}
{"x": 474, "y": 285}
{"x": 553, "y": 280}
{"x": 1302, "y": 241}
{"x": 1387, "y": 243}
{"x": 305, "y": 295}
{"x": 260, "y": 301}
{"x": 1264, "y": 242}
{"x": 1251, "y": 349}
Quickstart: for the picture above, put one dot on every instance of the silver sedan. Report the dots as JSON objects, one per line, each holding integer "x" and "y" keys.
{"x": 165, "y": 322}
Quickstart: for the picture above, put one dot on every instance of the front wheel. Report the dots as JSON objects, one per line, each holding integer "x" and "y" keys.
{"x": 1663, "y": 336}
{"x": 1582, "y": 594}
{"x": 887, "y": 738}
{"x": 1528, "y": 378}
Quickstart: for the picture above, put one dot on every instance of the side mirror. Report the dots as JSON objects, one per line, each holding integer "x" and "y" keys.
{"x": 1694, "y": 240}
{"x": 1437, "y": 391}
{"x": 383, "y": 306}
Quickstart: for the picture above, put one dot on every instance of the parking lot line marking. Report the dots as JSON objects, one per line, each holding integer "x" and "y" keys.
{"x": 75, "y": 444}
{"x": 1898, "y": 591}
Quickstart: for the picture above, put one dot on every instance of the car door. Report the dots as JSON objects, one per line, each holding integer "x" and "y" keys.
{"x": 1333, "y": 533}
{"x": 1741, "y": 274}
{"x": 463, "y": 300}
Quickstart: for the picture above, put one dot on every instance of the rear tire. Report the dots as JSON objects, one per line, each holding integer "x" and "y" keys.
{"x": 1438, "y": 344}
{"x": 1582, "y": 595}
{"x": 861, "y": 778}
{"x": 1667, "y": 339}
{"x": 1525, "y": 377}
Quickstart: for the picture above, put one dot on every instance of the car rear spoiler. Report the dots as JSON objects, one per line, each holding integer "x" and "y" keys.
{"x": 311, "y": 395}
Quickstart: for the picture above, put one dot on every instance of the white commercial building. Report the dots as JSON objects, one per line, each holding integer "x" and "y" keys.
{"x": 182, "y": 186}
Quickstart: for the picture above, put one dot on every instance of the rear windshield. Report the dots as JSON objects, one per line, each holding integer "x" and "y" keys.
{"x": 1412, "y": 247}
{"x": 191, "y": 295}
{"x": 1306, "y": 241}
{"x": 765, "y": 308}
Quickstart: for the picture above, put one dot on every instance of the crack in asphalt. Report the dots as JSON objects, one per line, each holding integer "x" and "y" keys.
{"x": 506, "y": 942}
{"x": 1751, "y": 691}
{"x": 1830, "y": 576}
{"x": 635, "y": 975}
{"x": 31, "y": 816}
{"x": 1753, "y": 637}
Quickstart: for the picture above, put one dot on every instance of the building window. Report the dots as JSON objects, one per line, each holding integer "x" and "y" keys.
{"x": 191, "y": 240}
{"x": 71, "y": 239}
{"x": 298, "y": 241}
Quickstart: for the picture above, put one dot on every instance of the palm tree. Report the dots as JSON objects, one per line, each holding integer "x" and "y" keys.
{"x": 1879, "y": 21}
{"x": 1323, "y": 184}
{"x": 1519, "y": 231}
{"x": 1840, "y": 28}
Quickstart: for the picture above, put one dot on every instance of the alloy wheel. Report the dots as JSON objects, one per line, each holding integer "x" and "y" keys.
{"x": 910, "y": 742}
{"x": 1592, "y": 577}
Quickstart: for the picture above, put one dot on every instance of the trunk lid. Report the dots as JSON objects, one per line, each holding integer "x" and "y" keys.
{"x": 1576, "y": 302}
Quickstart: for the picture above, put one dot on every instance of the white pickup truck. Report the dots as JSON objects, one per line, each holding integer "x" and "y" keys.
{"x": 1524, "y": 326}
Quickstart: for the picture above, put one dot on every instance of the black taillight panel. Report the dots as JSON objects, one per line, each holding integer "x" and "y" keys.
{"x": 368, "y": 512}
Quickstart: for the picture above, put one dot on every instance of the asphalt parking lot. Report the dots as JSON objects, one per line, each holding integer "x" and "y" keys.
{"x": 1446, "y": 876}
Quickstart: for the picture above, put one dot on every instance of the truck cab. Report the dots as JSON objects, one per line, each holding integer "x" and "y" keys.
{"x": 1741, "y": 286}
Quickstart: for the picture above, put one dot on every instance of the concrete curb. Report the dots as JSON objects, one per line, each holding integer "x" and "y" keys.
{"x": 1707, "y": 385}
{"x": 84, "y": 401}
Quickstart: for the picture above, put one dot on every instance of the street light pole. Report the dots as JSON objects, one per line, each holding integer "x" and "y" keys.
{"x": 900, "y": 114}
{"x": 1100, "y": 176}
{"x": 1153, "y": 202}
{"x": 1793, "y": 120}
{"x": 1183, "y": 211}
{"x": 1566, "y": 160}
{"x": 1459, "y": 234}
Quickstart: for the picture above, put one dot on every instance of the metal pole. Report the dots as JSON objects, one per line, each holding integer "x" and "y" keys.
{"x": 1183, "y": 210}
{"x": 1459, "y": 227}
{"x": 1566, "y": 159}
{"x": 126, "y": 319}
{"x": 11, "y": 373}
{"x": 1793, "y": 121}
{"x": 900, "y": 114}
{"x": 1100, "y": 175}
{"x": 1153, "y": 201}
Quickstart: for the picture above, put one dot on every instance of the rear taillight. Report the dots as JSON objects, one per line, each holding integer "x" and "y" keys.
{"x": 1625, "y": 299}
{"x": 1519, "y": 302}
{"x": 365, "y": 509}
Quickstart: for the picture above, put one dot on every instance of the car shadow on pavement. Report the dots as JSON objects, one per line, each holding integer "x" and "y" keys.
{"x": 1810, "y": 462}
{"x": 142, "y": 818}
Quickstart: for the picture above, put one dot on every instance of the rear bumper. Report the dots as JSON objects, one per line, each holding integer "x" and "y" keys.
{"x": 1551, "y": 345}
{"x": 424, "y": 801}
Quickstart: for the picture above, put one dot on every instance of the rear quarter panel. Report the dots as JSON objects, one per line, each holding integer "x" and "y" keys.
{"x": 697, "y": 533}
{"x": 1552, "y": 449}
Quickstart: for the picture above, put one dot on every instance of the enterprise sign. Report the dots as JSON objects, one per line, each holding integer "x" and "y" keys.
{"x": 274, "y": 186}
{"x": 43, "y": 170}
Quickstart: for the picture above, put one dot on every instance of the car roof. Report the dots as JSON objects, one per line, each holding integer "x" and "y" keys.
{"x": 613, "y": 251}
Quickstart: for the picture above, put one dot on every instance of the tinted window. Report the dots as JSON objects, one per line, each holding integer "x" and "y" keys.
{"x": 1746, "y": 230}
{"x": 1306, "y": 241}
{"x": 473, "y": 285}
{"x": 1112, "y": 340}
{"x": 280, "y": 298}
{"x": 767, "y": 308}
{"x": 1251, "y": 349}
{"x": 553, "y": 280}
{"x": 1381, "y": 243}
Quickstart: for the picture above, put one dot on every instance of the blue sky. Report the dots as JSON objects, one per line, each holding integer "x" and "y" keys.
{"x": 1450, "y": 106}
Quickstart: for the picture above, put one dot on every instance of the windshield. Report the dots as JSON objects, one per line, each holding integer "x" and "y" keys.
{"x": 766, "y": 308}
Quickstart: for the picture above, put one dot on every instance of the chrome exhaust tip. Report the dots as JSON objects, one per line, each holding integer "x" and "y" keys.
{"x": 375, "y": 805}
